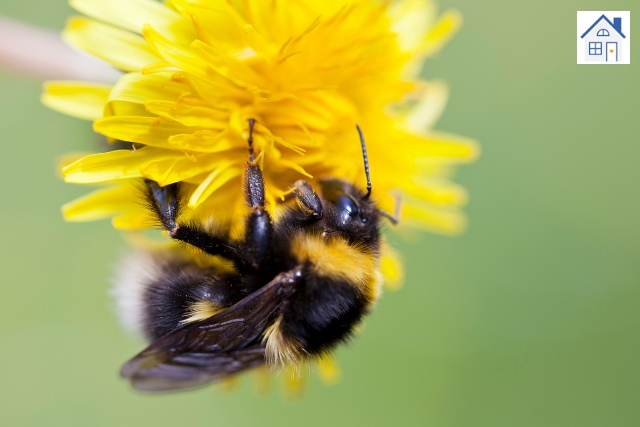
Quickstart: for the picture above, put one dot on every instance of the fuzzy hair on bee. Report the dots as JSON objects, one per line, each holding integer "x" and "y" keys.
{"x": 298, "y": 286}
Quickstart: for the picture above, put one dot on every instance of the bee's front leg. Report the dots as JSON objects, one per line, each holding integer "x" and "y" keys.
{"x": 308, "y": 200}
{"x": 165, "y": 203}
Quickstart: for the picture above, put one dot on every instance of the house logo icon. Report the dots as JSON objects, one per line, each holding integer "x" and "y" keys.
{"x": 604, "y": 37}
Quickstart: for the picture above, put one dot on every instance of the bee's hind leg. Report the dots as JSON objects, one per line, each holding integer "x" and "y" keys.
{"x": 165, "y": 202}
{"x": 258, "y": 226}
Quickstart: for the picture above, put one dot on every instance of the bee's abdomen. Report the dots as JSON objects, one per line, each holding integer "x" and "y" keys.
{"x": 158, "y": 293}
{"x": 180, "y": 298}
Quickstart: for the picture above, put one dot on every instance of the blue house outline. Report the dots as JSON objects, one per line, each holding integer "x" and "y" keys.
{"x": 619, "y": 31}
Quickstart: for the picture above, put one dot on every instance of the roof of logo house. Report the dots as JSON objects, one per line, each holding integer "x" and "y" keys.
{"x": 616, "y": 25}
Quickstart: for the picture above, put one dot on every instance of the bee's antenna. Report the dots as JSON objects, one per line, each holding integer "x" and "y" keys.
{"x": 366, "y": 163}
{"x": 391, "y": 219}
{"x": 395, "y": 218}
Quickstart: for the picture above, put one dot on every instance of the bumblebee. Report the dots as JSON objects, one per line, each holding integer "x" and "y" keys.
{"x": 298, "y": 288}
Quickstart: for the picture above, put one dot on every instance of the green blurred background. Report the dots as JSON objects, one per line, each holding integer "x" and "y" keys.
{"x": 531, "y": 318}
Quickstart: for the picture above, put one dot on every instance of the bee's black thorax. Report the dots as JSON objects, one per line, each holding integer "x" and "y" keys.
{"x": 323, "y": 312}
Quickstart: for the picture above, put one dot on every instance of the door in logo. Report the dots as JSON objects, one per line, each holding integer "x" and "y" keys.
{"x": 612, "y": 52}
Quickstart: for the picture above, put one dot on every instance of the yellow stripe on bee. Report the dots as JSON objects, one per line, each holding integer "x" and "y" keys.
{"x": 201, "y": 310}
{"x": 335, "y": 258}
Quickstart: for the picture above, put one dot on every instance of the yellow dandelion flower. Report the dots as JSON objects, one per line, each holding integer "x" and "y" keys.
{"x": 194, "y": 72}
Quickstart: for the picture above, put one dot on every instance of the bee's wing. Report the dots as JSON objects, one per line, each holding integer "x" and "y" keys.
{"x": 211, "y": 349}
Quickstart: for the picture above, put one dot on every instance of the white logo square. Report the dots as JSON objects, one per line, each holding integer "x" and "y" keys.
{"x": 604, "y": 37}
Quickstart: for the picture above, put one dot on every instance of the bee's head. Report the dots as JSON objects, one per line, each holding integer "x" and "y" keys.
{"x": 351, "y": 209}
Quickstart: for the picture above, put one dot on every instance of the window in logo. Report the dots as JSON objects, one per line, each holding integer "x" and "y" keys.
{"x": 595, "y": 48}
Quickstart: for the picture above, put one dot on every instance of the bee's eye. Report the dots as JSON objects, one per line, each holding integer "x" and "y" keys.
{"x": 347, "y": 206}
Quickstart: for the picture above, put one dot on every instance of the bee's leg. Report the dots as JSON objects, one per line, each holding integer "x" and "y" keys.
{"x": 308, "y": 200}
{"x": 258, "y": 227}
{"x": 165, "y": 203}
